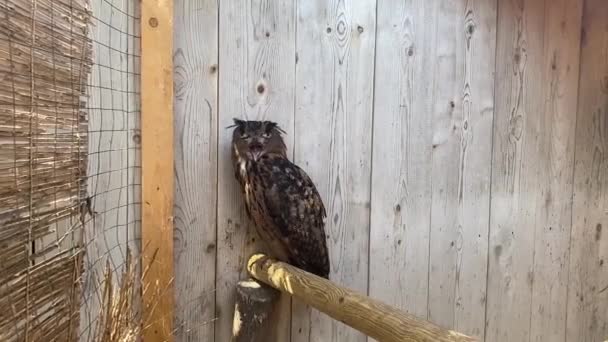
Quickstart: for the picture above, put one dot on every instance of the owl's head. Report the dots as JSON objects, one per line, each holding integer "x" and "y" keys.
{"x": 251, "y": 140}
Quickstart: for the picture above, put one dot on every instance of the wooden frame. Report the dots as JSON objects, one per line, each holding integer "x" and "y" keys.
{"x": 157, "y": 168}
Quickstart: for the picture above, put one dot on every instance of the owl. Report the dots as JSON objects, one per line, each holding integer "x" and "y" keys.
{"x": 280, "y": 198}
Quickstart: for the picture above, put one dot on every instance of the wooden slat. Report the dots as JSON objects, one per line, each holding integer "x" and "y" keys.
{"x": 432, "y": 152}
{"x": 132, "y": 42}
{"x": 462, "y": 112}
{"x": 402, "y": 153}
{"x": 514, "y": 180}
{"x": 556, "y": 145}
{"x": 587, "y": 293}
{"x": 536, "y": 92}
{"x": 113, "y": 154}
{"x": 334, "y": 96}
{"x": 195, "y": 77}
{"x": 256, "y": 81}
{"x": 157, "y": 168}
{"x": 372, "y": 317}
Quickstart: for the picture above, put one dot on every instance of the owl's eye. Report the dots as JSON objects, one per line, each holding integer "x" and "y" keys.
{"x": 266, "y": 135}
{"x": 244, "y": 135}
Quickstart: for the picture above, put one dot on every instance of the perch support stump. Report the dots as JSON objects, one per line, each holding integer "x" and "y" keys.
{"x": 254, "y": 303}
{"x": 373, "y": 318}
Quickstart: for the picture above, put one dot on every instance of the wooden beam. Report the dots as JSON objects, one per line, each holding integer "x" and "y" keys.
{"x": 157, "y": 168}
{"x": 373, "y": 318}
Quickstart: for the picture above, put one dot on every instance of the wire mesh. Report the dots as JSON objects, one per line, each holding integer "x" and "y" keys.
{"x": 114, "y": 179}
{"x": 69, "y": 166}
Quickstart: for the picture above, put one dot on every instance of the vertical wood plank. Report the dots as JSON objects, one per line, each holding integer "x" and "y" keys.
{"x": 402, "y": 143}
{"x": 554, "y": 217}
{"x": 133, "y": 99}
{"x": 333, "y": 120}
{"x": 462, "y": 140}
{"x": 587, "y": 293}
{"x": 113, "y": 171}
{"x": 157, "y": 168}
{"x": 514, "y": 172}
{"x": 195, "y": 78}
{"x": 536, "y": 85}
{"x": 256, "y": 81}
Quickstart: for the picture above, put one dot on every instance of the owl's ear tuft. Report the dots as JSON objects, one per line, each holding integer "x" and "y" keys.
{"x": 237, "y": 123}
{"x": 270, "y": 126}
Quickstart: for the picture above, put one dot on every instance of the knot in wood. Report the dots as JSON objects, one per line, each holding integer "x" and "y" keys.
{"x": 153, "y": 22}
{"x": 341, "y": 28}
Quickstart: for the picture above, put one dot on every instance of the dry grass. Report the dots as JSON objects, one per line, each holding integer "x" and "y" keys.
{"x": 119, "y": 319}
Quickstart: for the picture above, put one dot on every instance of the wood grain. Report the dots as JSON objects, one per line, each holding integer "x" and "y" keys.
{"x": 519, "y": 94}
{"x": 334, "y": 96}
{"x": 518, "y": 90}
{"x": 372, "y": 317}
{"x": 195, "y": 77}
{"x": 532, "y": 169}
{"x": 556, "y": 145}
{"x": 157, "y": 168}
{"x": 462, "y": 113}
{"x": 256, "y": 81}
{"x": 463, "y": 137}
{"x": 402, "y": 153}
{"x": 587, "y": 288}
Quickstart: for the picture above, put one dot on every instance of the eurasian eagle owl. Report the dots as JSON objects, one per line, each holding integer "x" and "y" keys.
{"x": 280, "y": 198}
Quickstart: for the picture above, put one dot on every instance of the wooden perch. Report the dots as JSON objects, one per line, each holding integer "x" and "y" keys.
{"x": 254, "y": 303}
{"x": 373, "y": 318}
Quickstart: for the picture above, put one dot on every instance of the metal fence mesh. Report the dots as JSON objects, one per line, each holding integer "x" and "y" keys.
{"x": 114, "y": 179}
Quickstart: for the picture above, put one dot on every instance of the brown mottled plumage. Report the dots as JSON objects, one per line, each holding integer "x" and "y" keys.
{"x": 280, "y": 198}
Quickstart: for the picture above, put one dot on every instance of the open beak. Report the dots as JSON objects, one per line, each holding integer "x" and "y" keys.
{"x": 255, "y": 152}
{"x": 255, "y": 155}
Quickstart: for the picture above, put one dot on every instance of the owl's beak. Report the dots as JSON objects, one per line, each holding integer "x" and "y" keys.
{"x": 255, "y": 151}
{"x": 255, "y": 155}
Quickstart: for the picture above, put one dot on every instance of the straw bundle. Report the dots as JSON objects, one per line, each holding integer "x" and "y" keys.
{"x": 52, "y": 299}
{"x": 43, "y": 129}
{"x": 45, "y": 60}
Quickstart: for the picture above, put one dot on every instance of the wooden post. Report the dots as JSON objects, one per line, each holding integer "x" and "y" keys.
{"x": 157, "y": 168}
{"x": 254, "y": 303}
{"x": 373, "y": 318}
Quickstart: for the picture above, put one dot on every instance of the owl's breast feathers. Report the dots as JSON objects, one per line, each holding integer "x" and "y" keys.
{"x": 287, "y": 210}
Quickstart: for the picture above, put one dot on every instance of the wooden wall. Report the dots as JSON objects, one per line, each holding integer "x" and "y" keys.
{"x": 461, "y": 149}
